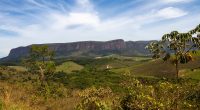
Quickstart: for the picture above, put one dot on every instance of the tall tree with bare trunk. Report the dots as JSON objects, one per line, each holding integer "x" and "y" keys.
{"x": 40, "y": 61}
{"x": 176, "y": 47}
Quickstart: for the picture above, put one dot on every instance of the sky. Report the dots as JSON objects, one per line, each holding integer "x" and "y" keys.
{"x": 25, "y": 22}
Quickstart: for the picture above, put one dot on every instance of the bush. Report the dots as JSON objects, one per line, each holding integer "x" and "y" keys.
{"x": 96, "y": 99}
{"x": 1, "y": 104}
{"x": 162, "y": 95}
{"x": 140, "y": 97}
{"x": 51, "y": 90}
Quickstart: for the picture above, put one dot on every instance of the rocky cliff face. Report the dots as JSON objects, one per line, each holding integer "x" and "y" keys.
{"x": 86, "y": 48}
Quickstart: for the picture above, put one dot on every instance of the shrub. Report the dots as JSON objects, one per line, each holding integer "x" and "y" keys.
{"x": 51, "y": 90}
{"x": 1, "y": 104}
{"x": 140, "y": 97}
{"x": 162, "y": 95}
{"x": 96, "y": 99}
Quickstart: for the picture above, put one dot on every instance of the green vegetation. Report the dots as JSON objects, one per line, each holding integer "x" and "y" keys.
{"x": 75, "y": 89}
{"x": 106, "y": 83}
{"x": 191, "y": 73}
{"x": 98, "y": 89}
{"x": 40, "y": 61}
{"x": 18, "y": 68}
{"x": 176, "y": 47}
{"x": 68, "y": 67}
{"x": 162, "y": 95}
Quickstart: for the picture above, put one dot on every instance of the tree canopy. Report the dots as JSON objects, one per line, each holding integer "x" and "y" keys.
{"x": 40, "y": 61}
{"x": 176, "y": 46}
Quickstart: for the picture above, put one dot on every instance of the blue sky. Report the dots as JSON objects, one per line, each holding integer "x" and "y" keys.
{"x": 25, "y": 22}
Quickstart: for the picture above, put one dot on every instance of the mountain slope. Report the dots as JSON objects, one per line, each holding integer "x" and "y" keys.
{"x": 86, "y": 49}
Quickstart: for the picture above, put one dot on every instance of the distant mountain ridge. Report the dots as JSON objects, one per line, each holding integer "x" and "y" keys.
{"x": 86, "y": 49}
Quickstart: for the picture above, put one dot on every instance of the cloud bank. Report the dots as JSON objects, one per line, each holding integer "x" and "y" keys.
{"x": 59, "y": 21}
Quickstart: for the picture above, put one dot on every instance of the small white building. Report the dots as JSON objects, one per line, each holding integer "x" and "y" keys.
{"x": 108, "y": 67}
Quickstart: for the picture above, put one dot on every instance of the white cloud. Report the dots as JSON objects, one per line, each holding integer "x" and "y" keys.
{"x": 84, "y": 23}
{"x": 171, "y": 12}
{"x": 36, "y": 3}
{"x": 84, "y": 3}
{"x": 176, "y": 1}
{"x": 84, "y": 6}
{"x": 61, "y": 21}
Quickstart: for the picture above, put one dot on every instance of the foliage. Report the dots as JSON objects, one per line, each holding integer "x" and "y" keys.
{"x": 140, "y": 98}
{"x": 1, "y": 104}
{"x": 95, "y": 99}
{"x": 178, "y": 44}
{"x": 69, "y": 67}
{"x": 163, "y": 95}
{"x": 132, "y": 93}
{"x": 123, "y": 92}
{"x": 40, "y": 61}
{"x": 89, "y": 77}
{"x": 51, "y": 90}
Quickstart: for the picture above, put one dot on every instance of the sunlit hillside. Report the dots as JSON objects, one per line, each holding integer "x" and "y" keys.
{"x": 99, "y": 54}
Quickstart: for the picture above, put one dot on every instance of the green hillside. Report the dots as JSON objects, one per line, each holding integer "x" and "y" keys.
{"x": 90, "y": 80}
{"x": 68, "y": 67}
{"x": 136, "y": 66}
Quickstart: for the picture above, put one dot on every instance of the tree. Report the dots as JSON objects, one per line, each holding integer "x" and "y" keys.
{"x": 40, "y": 61}
{"x": 177, "y": 47}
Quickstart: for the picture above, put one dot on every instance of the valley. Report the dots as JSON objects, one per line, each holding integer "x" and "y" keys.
{"x": 75, "y": 77}
{"x": 99, "y": 55}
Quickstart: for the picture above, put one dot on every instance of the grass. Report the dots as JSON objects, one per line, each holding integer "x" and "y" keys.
{"x": 136, "y": 66}
{"x": 69, "y": 67}
{"x": 157, "y": 68}
{"x": 116, "y": 62}
{"x": 188, "y": 73}
{"x": 24, "y": 96}
{"x": 66, "y": 67}
{"x": 18, "y": 68}
{"x": 93, "y": 74}
{"x": 89, "y": 78}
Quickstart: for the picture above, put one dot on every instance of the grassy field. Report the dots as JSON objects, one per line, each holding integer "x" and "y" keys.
{"x": 136, "y": 66}
{"x": 66, "y": 67}
{"x": 69, "y": 67}
{"x": 188, "y": 73}
{"x": 18, "y": 68}
{"x": 157, "y": 68}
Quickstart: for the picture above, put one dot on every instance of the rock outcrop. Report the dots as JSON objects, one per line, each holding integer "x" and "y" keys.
{"x": 86, "y": 48}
